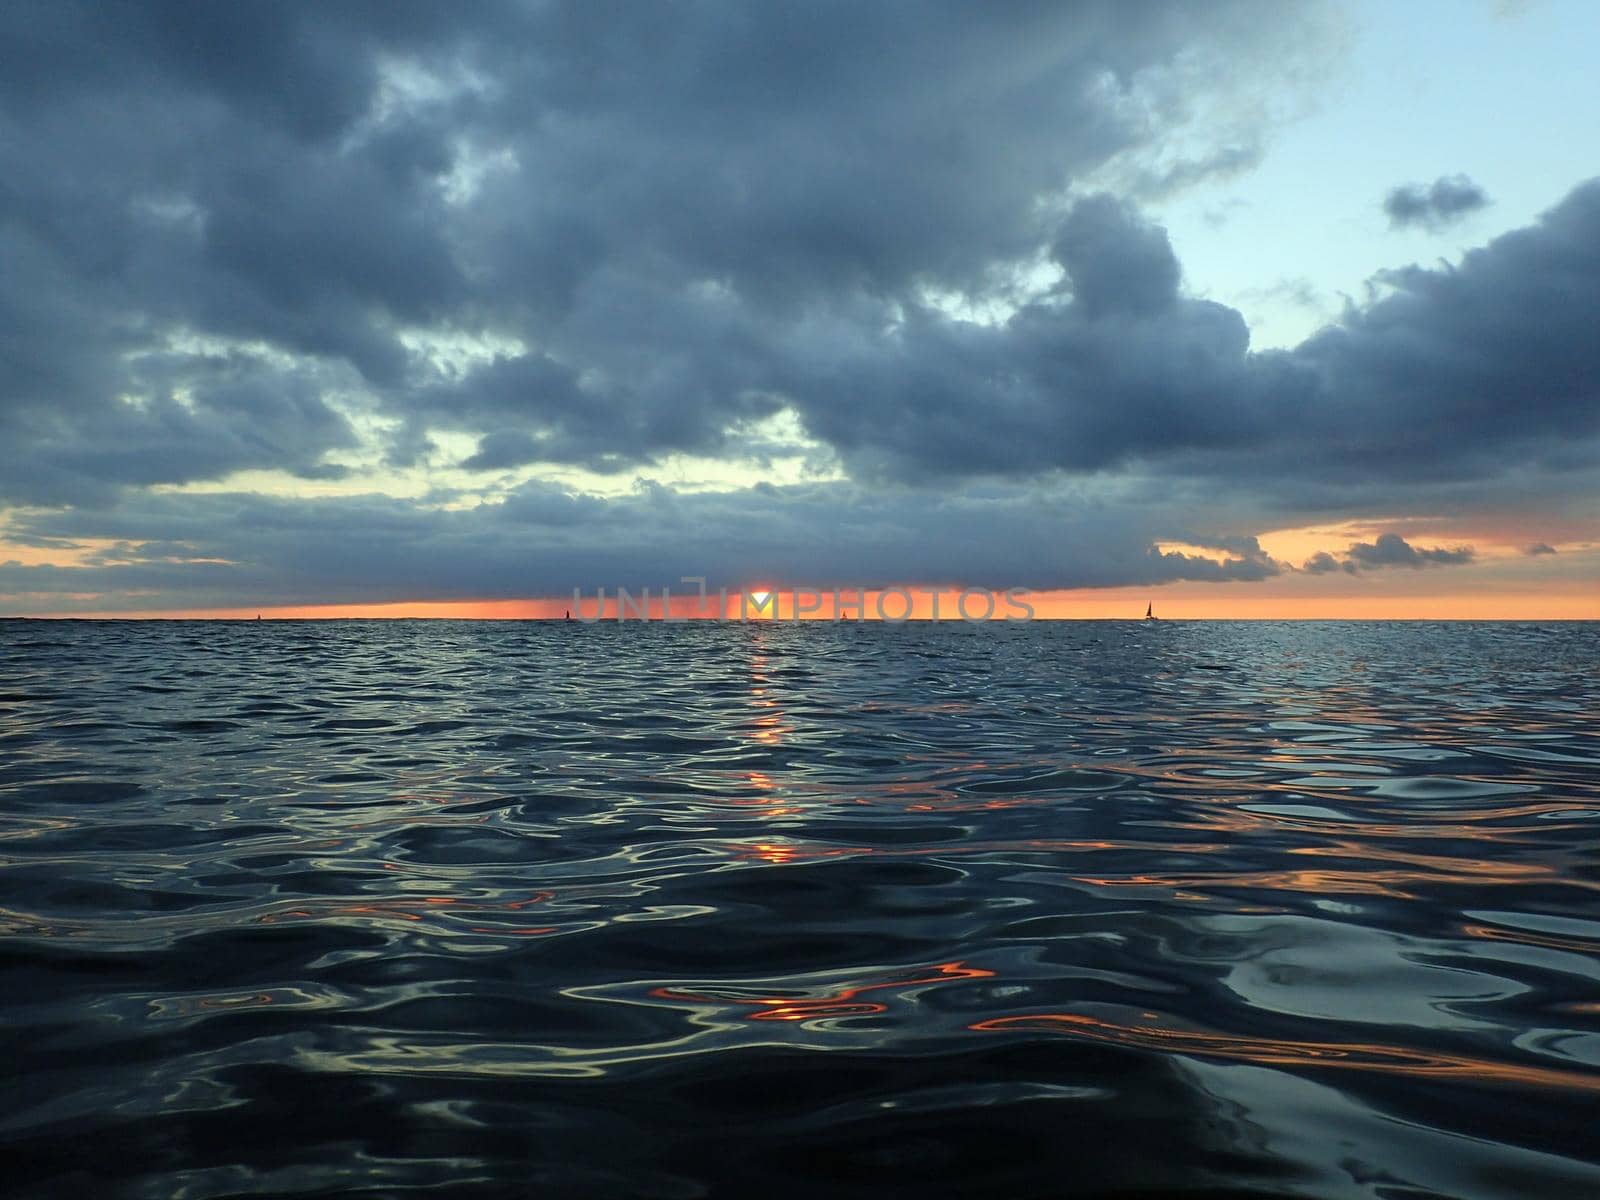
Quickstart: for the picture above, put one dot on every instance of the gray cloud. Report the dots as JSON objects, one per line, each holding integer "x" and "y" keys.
{"x": 249, "y": 237}
{"x": 662, "y": 204}
{"x": 1117, "y": 264}
{"x": 1389, "y": 550}
{"x": 1436, "y": 205}
{"x": 1322, "y": 563}
{"x": 1537, "y": 548}
{"x": 1482, "y": 372}
{"x": 230, "y": 549}
{"x": 1392, "y": 550}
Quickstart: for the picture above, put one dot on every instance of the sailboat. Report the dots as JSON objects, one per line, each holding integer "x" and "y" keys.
{"x": 1149, "y": 613}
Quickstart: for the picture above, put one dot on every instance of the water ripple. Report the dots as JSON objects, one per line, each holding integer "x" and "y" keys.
{"x": 397, "y": 908}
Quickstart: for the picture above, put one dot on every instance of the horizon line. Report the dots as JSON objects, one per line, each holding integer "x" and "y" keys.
{"x": 931, "y": 604}
{"x": 264, "y": 618}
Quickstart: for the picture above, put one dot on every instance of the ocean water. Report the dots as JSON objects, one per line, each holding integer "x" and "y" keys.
{"x": 1077, "y": 909}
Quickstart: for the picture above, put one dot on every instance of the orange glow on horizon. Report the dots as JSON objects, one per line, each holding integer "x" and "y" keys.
{"x": 1189, "y": 602}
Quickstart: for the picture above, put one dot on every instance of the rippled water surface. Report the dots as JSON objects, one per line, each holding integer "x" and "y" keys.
{"x": 493, "y": 909}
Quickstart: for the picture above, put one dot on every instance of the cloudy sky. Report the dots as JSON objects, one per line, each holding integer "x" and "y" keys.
{"x": 1247, "y": 308}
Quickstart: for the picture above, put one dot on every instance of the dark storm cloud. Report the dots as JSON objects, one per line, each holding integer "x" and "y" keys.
{"x": 172, "y": 170}
{"x": 227, "y": 549}
{"x": 1114, "y": 364}
{"x": 199, "y": 417}
{"x": 1471, "y": 371}
{"x": 1116, "y": 263}
{"x": 1434, "y": 206}
{"x": 1480, "y": 373}
{"x": 654, "y": 199}
{"x": 1389, "y": 550}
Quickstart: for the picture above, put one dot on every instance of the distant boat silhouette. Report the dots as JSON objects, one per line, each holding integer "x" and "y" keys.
{"x": 569, "y": 614}
{"x": 1149, "y": 614}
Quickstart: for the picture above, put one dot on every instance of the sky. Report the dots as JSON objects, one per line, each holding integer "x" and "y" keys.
{"x": 1237, "y": 308}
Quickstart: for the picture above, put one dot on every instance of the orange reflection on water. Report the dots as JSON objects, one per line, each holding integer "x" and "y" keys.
{"x": 768, "y": 728}
{"x": 1348, "y": 883}
{"x": 360, "y": 910}
{"x": 841, "y": 1002}
{"x": 956, "y": 803}
{"x": 762, "y": 784}
{"x": 1425, "y": 869}
{"x": 1460, "y": 869}
{"x": 1523, "y": 937}
{"x": 1358, "y": 1056}
{"x": 769, "y": 731}
{"x": 408, "y": 908}
{"x": 780, "y": 853}
{"x": 810, "y": 851}
{"x": 1238, "y": 821}
{"x": 515, "y": 931}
